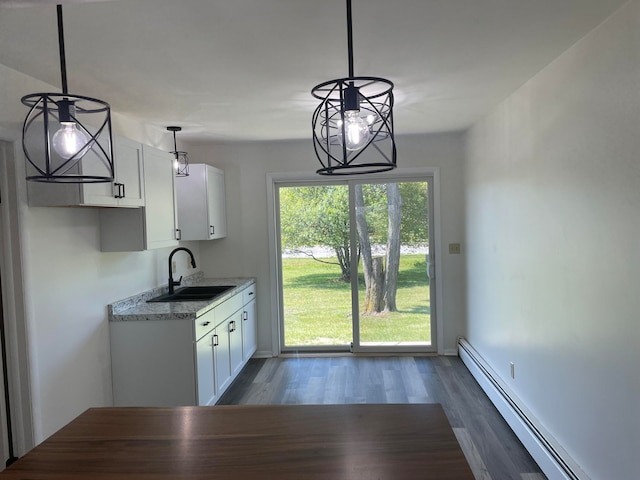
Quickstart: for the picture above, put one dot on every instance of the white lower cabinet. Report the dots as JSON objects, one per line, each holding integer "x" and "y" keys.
{"x": 222, "y": 358}
{"x": 205, "y": 366}
{"x": 180, "y": 362}
{"x": 249, "y": 323}
{"x": 235, "y": 343}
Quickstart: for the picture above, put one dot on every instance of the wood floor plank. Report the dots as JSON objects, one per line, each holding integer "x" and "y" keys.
{"x": 479, "y": 469}
{"x": 481, "y": 431}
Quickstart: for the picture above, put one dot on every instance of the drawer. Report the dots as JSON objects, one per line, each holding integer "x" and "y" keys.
{"x": 204, "y": 324}
{"x": 227, "y": 308}
{"x": 249, "y": 294}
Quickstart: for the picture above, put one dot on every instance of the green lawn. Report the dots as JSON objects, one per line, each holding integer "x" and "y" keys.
{"x": 317, "y": 305}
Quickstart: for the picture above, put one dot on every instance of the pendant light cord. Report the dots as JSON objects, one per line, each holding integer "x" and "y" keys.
{"x": 63, "y": 58}
{"x": 350, "y": 39}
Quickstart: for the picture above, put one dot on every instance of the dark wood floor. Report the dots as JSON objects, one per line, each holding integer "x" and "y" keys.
{"x": 493, "y": 451}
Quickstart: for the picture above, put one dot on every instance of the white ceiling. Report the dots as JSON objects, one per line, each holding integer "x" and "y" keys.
{"x": 243, "y": 69}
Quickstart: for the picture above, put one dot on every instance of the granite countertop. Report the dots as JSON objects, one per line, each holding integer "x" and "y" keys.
{"x": 136, "y": 308}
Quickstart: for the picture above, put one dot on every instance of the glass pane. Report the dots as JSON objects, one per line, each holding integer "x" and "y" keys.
{"x": 315, "y": 255}
{"x": 393, "y": 280}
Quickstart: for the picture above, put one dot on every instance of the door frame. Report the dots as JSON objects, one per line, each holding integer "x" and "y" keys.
{"x": 275, "y": 180}
{"x": 12, "y": 204}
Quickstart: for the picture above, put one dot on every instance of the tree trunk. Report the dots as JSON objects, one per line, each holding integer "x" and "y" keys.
{"x": 374, "y": 300}
{"x": 344, "y": 260}
{"x": 394, "y": 208}
{"x": 373, "y": 272}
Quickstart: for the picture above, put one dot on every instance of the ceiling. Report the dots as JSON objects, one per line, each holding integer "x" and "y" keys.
{"x": 243, "y": 69}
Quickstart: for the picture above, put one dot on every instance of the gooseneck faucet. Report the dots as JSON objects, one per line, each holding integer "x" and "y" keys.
{"x": 172, "y": 282}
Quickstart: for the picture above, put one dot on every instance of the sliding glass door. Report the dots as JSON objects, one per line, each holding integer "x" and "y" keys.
{"x": 354, "y": 266}
{"x": 315, "y": 259}
{"x": 394, "y": 294}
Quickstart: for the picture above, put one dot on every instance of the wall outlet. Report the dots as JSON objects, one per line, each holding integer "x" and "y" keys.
{"x": 512, "y": 368}
{"x": 454, "y": 248}
{"x": 173, "y": 266}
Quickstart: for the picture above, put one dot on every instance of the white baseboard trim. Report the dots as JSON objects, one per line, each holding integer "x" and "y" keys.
{"x": 552, "y": 459}
{"x": 263, "y": 354}
{"x": 451, "y": 352}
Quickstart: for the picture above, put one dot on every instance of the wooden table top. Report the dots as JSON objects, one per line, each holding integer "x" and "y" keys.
{"x": 296, "y": 442}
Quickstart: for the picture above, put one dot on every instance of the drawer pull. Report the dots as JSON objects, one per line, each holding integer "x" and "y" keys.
{"x": 204, "y": 324}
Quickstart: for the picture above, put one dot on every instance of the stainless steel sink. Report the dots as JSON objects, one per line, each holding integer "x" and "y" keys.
{"x": 193, "y": 294}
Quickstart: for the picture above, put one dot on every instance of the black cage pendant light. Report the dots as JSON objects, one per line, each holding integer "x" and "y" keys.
{"x": 67, "y": 138}
{"x": 181, "y": 162}
{"x": 353, "y": 125}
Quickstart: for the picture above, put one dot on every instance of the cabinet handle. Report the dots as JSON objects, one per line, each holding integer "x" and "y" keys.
{"x": 178, "y": 234}
{"x": 245, "y": 315}
{"x": 214, "y": 340}
{"x": 116, "y": 193}
{"x": 212, "y": 230}
{"x": 204, "y": 324}
{"x": 250, "y": 293}
{"x": 232, "y": 326}
{"x": 124, "y": 192}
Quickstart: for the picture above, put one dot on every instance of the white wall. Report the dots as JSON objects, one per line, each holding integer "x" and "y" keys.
{"x": 68, "y": 282}
{"x": 245, "y": 251}
{"x": 552, "y": 231}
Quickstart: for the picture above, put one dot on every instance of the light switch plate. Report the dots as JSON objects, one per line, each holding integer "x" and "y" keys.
{"x": 454, "y": 248}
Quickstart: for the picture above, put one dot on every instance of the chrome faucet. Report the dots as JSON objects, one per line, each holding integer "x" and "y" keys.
{"x": 172, "y": 282}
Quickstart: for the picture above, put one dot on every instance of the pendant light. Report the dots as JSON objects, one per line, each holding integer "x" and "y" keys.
{"x": 67, "y": 138}
{"x": 181, "y": 162}
{"x": 353, "y": 125}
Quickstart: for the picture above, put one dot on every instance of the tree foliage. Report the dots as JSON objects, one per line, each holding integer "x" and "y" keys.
{"x": 313, "y": 216}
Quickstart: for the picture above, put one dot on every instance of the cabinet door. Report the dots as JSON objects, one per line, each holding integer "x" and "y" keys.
{"x": 216, "y": 203}
{"x": 191, "y": 191}
{"x": 129, "y": 173}
{"x": 235, "y": 343}
{"x": 205, "y": 367}
{"x": 160, "y": 206}
{"x": 222, "y": 360}
{"x": 129, "y": 177}
{"x": 249, "y": 330}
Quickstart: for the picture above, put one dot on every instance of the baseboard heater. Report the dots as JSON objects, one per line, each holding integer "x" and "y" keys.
{"x": 552, "y": 459}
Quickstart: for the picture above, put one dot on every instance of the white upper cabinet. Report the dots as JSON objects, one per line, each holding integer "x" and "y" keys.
{"x": 161, "y": 222}
{"x": 127, "y": 190}
{"x": 201, "y": 203}
{"x": 155, "y": 225}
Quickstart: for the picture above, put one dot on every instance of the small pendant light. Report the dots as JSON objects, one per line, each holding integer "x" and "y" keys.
{"x": 181, "y": 162}
{"x": 353, "y": 125}
{"x": 67, "y": 138}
